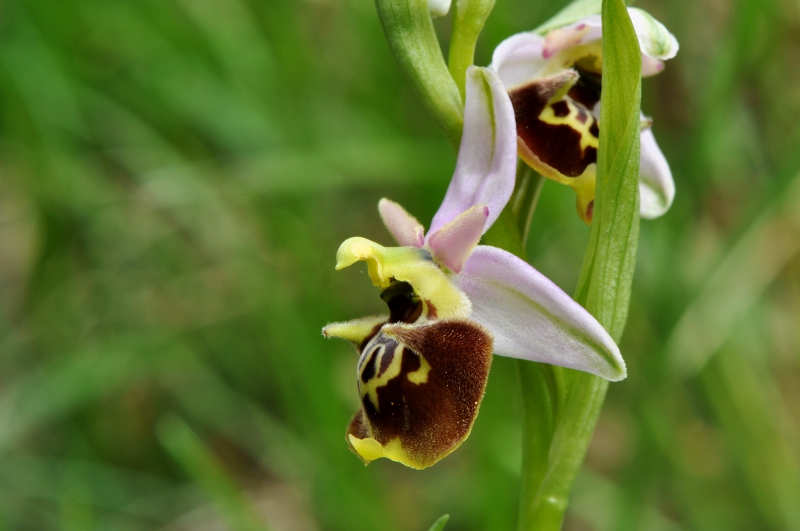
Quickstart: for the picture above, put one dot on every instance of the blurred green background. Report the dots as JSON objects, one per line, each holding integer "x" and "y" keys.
{"x": 175, "y": 178}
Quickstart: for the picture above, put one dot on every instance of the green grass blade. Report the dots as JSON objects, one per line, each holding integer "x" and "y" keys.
{"x": 439, "y": 524}
{"x": 197, "y": 460}
{"x": 737, "y": 283}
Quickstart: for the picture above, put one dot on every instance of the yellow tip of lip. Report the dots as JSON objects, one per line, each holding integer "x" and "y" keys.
{"x": 357, "y": 248}
{"x": 369, "y": 449}
{"x": 354, "y": 249}
{"x": 354, "y": 331}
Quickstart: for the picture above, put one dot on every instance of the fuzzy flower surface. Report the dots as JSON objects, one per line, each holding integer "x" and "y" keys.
{"x": 555, "y": 84}
{"x": 423, "y": 368}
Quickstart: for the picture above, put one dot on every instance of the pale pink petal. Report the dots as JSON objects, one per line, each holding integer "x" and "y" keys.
{"x": 650, "y": 66}
{"x": 405, "y": 228}
{"x": 487, "y": 158}
{"x": 518, "y": 59}
{"x": 531, "y": 318}
{"x": 656, "y": 187}
{"x": 587, "y": 29}
{"x": 453, "y": 243}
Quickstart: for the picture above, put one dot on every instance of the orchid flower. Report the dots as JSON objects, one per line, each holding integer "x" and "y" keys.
{"x": 423, "y": 368}
{"x": 554, "y": 81}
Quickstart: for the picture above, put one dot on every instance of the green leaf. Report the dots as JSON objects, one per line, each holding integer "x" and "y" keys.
{"x": 438, "y": 525}
{"x": 607, "y": 274}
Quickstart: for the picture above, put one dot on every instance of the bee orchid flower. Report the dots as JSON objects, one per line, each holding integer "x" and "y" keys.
{"x": 452, "y": 303}
{"x": 555, "y": 82}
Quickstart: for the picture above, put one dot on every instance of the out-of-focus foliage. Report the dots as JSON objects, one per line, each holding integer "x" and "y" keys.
{"x": 175, "y": 177}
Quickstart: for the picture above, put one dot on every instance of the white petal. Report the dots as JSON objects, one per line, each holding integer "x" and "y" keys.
{"x": 438, "y": 8}
{"x": 656, "y": 187}
{"x": 531, "y": 318}
{"x": 654, "y": 39}
{"x": 525, "y": 56}
{"x": 405, "y": 228}
{"x": 519, "y": 59}
{"x": 487, "y": 158}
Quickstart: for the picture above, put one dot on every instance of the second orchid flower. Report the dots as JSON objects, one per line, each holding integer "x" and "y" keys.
{"x": 555, "y": 84}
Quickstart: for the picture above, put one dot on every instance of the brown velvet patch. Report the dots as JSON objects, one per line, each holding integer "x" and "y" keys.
{"x": 556, "y": 145}
{"x": 433, "y": 417}
{"x": 432, "y": 313}
{"x": 357, "y": 426}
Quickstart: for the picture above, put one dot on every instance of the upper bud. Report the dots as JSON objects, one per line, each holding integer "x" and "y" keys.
{"x": 439, "y": 8}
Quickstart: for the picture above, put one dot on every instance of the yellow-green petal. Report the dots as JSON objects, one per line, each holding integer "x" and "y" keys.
{"x": 357, "y": 330}
{"x": 407, "y": 264}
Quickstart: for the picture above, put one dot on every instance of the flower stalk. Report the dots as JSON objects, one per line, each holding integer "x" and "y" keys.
{"x": 468, "y": 21}
{"x": 412, "y": 38}
{"x": 526, "y": 196}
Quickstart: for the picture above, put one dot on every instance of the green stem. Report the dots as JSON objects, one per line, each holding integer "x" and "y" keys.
{"x": 541, "y": 384}
{"x": 539, "y": 414}
{"x": 468, "y": 22}
{"x": 412, "y": 39}
{"x": 526, "y": 196}
{"x": 560, "y": 406}
{"x": 543, "y": 508}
